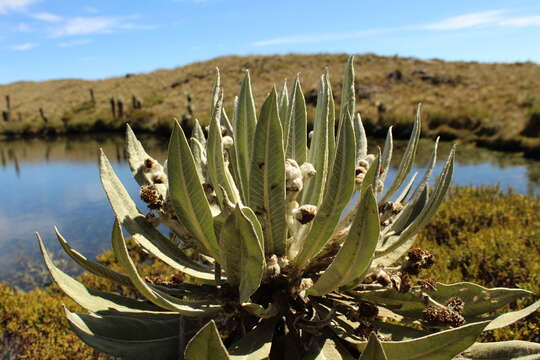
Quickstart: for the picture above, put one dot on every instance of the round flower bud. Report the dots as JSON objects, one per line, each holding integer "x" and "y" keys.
{"x": 305, "y": 213}
{"x": 308, "y": 170}
{"x": 227, "y": 142}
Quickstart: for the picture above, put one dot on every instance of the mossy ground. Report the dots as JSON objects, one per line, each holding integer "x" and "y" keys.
{"x": 495, "y": 105}
{"x": 483, "y": 235}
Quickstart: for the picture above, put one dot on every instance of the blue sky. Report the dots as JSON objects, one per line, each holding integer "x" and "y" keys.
{"x": 47, "y": 39}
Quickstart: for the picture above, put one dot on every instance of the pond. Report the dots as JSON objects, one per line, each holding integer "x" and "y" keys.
{"x": 56, "y": 182}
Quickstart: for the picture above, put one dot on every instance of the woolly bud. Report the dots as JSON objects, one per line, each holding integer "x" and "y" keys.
{"x": 305, "y": 213}
{"x": 295, "y": 185}
{"x": 272, "y": 266}
{"x": 310, "y": 134}
{"x": 308, "y": 170}
{"x": 227, "y": 142}
{"x": 292, "y": 170}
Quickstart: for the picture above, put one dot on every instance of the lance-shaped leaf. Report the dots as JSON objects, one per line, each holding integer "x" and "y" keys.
{"x": 386, "y": 155}
{"x": 500, "y": 321}
{"x": 338, "y": 193}
{"x": 297, "y": 125}
{"x": 478, "y": 300}
{"x": 217, "y": 168}
{"x": 348, "y": 97}
{"x": 374, "y": 349}
{"x": 407, "y": 189}
{"x": 407, "y": 160}
{"x": 371, "y": 175}
{"x": 135, "y": 223}
{"x": 256, "y": 344}
{"x": 199, "y": 155}
{"x": 198, "y": 133}
{"x": 160, "y": 298}
{"x": 206, "y": 345}
{"x": 128, "y": 337}
{"x": 443, "y": 345}
{"x": 331, "y": 124}
{"x": 361, "y": 138}
{"x": 242, "y": 253}
{"x": 244, "y": 124}
{"x": 355, "y": 256}
{"x": 318, "y": 150}
{"x": 283, "y": 104}
{"x": 187, "y": 195}
{"x": 217, "y": 93}
{"x": 92, "y": 300}
{"x": 503, "y": 350}
{"x": 267, "y": 182}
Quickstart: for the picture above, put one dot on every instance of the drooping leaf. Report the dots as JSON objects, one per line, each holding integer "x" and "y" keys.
{"x": 128, "y": 337}
{"x": 374, "y": 349}
{"x": 503, "y": 350}
{"x": 439, "y": 346}
{"x": 92, "y": 300}
{"x": 206, "y": 345}
{"x": 135, "y": 223}
{"x": 244, "y": 123}
{"x": 356, "y": 254}
{"x": 318, "y": 150}
{"x": 243, "y": 255}
{"x": 407, "y": 160}
{"x": 267, "y": 178}
{"x": 187, "y": 195}
{"x": 158, "y": 297}
{"x": 338, "y": 193}
{"x": 297, "y": 125}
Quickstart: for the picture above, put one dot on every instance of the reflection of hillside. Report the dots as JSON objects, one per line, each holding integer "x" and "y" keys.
{"x": 75, "y": 149}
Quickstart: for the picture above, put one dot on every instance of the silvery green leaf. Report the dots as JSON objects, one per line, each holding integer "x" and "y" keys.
{"x": 427, "y": 173}
{"x": 407, "y": 189}
{"x": 502, "y": 350}
{"x": 93, "y": 300}
{"x": 374, "y": 349}
{"x": 283, "y": 105}
{"x": 338, "y": 193}
{"x": 478, "y": 299}
{"x": 361, "y": 139}
{"x": 354, "y": 257}
{"x": 187, "y": 195}
{"x": 199, "y": 155}
{"x": 256, "y": 344}
{"x": 217, "y": 93}
{"x": 407, "y": 160}
{"x": 242, "y": 253}
{"x": 218, "y": 170}
{"x": 499, "y": 321}
{"x": 244, "y": 122}
{"x": 391, "y": 257}
{"x": 135, "y": 223}
{"x": 318, "y": 150}
{"x": 267, "y": 178}
{"x": 137, "y": 157}
{"x": 371, "y": 175}
{"x": 128, "y": 337}
{"x": 439, "y": 346}
{"x": 198, "y": 133}
{"x": 158, "y": 297}
{"x": 386, "y": 155}
{"x": 348, "y": 97}
{"x": 206, "y": 345}
{"x": 331, "y": 124}
{"x": 297, "y": 125}
{"x": 398, "y": 332}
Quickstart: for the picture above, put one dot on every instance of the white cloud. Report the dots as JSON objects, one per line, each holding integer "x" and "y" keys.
{"x": 467, "y": 20}
{"x": 68, "y": 44}
{"x": 23, "y": 47}
{"x": 22, "y": 27}
{"x": 15, "y": 5}
{"x": 87, "y": 25}
{"x": 48, "y": 17}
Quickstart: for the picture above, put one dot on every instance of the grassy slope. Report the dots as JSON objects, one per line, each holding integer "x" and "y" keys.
{"x": 488, "y": 103}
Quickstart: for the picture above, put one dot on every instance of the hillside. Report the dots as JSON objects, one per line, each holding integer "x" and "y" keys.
{"x": 496, "y": 105}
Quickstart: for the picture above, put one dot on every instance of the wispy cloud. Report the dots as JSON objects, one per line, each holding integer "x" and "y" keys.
{"x": 97, "y": 25}
{"x": 48, "y": 17}
{"x": 467, "y": 20}
{"x": 68, "y": 44}
{"x": 22, "y": 27}
{"x": 14, "y": 5}
{"x": 491, "y": 18}
{"x": 23, "y": 47}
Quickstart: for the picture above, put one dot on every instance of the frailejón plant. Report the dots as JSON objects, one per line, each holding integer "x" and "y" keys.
{"x": 290, "y": 246}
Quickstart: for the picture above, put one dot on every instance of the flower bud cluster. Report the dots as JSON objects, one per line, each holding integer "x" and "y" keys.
{"x": 418, "y": 259}
{"x": 449, "y": 315}
{"x": 388, "y": 210}
{"x": 294, "y": 183}
{"x": 150, "y": 195}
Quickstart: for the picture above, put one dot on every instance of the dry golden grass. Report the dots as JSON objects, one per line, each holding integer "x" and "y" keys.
{"x": 466, "y": 100}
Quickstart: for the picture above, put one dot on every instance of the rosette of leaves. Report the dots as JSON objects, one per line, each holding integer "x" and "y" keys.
{"x": 288, "y": 245}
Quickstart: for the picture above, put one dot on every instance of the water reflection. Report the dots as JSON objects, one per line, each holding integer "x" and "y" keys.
{"x": 47, "y": 183}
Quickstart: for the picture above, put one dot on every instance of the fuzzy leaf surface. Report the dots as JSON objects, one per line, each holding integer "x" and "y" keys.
{"x": 206, "y": 345}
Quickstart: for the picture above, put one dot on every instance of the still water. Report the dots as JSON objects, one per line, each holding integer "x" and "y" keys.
{"x": 56, "y": 182}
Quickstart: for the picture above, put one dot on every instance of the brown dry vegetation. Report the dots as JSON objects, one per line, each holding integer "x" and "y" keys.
{"x": 495, "y": 105}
